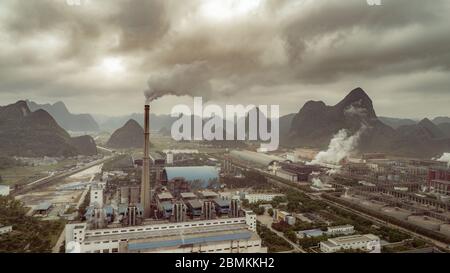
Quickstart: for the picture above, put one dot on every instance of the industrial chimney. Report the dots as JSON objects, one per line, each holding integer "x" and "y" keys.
{"x": 145, "y": 186}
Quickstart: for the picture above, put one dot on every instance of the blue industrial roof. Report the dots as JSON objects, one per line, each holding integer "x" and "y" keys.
{"x": 166, "y": 205}
{"x": 188, "y": 241}
{"x": 109, "y": 210}
{"x": 89, "y": 211}
{"x": 204, "y": 174}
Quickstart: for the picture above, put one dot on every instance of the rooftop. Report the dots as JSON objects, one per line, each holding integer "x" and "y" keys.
{"x": 194, "y": 203}
{"x": 186, "y": 195}
{"x": 165, "y": 195}
{"x": 353, "y": 239}
{"x": 221, "y": 202}
{"x": 157, "y": 235}
{"x": 43, "y": 206}
{"x": 177, "y": 240}
{"x": 206, "y": 194}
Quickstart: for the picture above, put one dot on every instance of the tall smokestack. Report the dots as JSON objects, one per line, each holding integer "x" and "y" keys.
{"x": 145, "y": 186}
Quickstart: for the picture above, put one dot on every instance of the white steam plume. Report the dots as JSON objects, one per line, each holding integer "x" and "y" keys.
{"x": 187, "y": 79}
{"x": 445, "y": 158}
{"x": 340, "y": 147}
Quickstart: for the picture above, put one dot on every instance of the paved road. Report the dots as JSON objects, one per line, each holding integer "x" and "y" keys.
{"x": 267, "y": 221}
{"x": 59, "y": 243}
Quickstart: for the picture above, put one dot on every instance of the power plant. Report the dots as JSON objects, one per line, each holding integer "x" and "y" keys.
{"x": 145, "y": 186}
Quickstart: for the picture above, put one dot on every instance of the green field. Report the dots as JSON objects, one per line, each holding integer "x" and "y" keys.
{"x": 24, "y": 174}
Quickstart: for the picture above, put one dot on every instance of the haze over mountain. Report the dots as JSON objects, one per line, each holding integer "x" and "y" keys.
{"x": 35, "y": 134}
{"x": 130, "y": 135}
{"x": 440, "y": 120}
{"x": 157, "y": 122}
{"x": 316, "y": 123}
{"x": 397, "y": 122}
{"x": 65, "y": 119}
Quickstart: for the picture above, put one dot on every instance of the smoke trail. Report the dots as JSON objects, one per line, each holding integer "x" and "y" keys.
{"x": 190, "y": 79}
{"x": 340, "y": 147}
{"x": 445, "y": 158}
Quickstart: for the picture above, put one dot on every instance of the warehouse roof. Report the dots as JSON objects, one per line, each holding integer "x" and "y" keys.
{"x": 188, "y": 241}
{"x": 256, "y": 158}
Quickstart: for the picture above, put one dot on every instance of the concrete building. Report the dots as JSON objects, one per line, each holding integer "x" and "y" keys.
{"x": 169, "y": 158}
{"x": 97, "y": 195}
{"x": 257, "y": 197}
{"x": 439, "y": 180}
{"x": 157, "y": 159}
{"x": 290, "y": 220}
{"x": 194, "y": 208}
{"x": 341, "y": 230}
{"x": 4, "y": 190}
{"x": 310, "y": 233}
{"x": 369, "y": 243}
{"x": 279, "y": 215}
{"x": 43, "y": 208}
{"x": 287, "y": 175}
{"x": 5, "y": 229}
{"x": 228, "y": 235}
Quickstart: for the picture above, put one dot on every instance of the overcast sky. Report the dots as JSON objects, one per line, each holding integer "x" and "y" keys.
{"x": 98, "y": 57}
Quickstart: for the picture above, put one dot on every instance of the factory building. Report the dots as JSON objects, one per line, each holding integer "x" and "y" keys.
{"x": 369, "y": 243}
{"x": 194, "y": 208}
{"x": 265, "y": 197}
{"x": 439, "y": 180}
{"x": 157, "y": 159}
{"x": 260, "y": 160}
{"x": 298, "y": 173}
{"x": 4, "y": 190}
{"x": 5, "y": 229}
{"x": 341, "y": 230}
{"x": 43, "y": 208}
{"x": 188, "y": 196}
{"x": 96, "y": 198}
{"x": 228, "y": 235}
{"x": 164, "y": 204}
{"x": 129, "y": 195}
{"x": 169, "y": 158}
{"x": 287, "y": 175}
{"x": 222, "y": 206}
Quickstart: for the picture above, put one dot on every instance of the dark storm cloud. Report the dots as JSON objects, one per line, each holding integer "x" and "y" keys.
{"x": 301, "y": 47}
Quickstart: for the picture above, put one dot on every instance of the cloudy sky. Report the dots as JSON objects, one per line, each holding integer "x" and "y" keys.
{"x": 100, "y": 56}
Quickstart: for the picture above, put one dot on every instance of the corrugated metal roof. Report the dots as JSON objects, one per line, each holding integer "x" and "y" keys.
{"x": 188, "y": 241}
{"x": 204, "y": 174}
